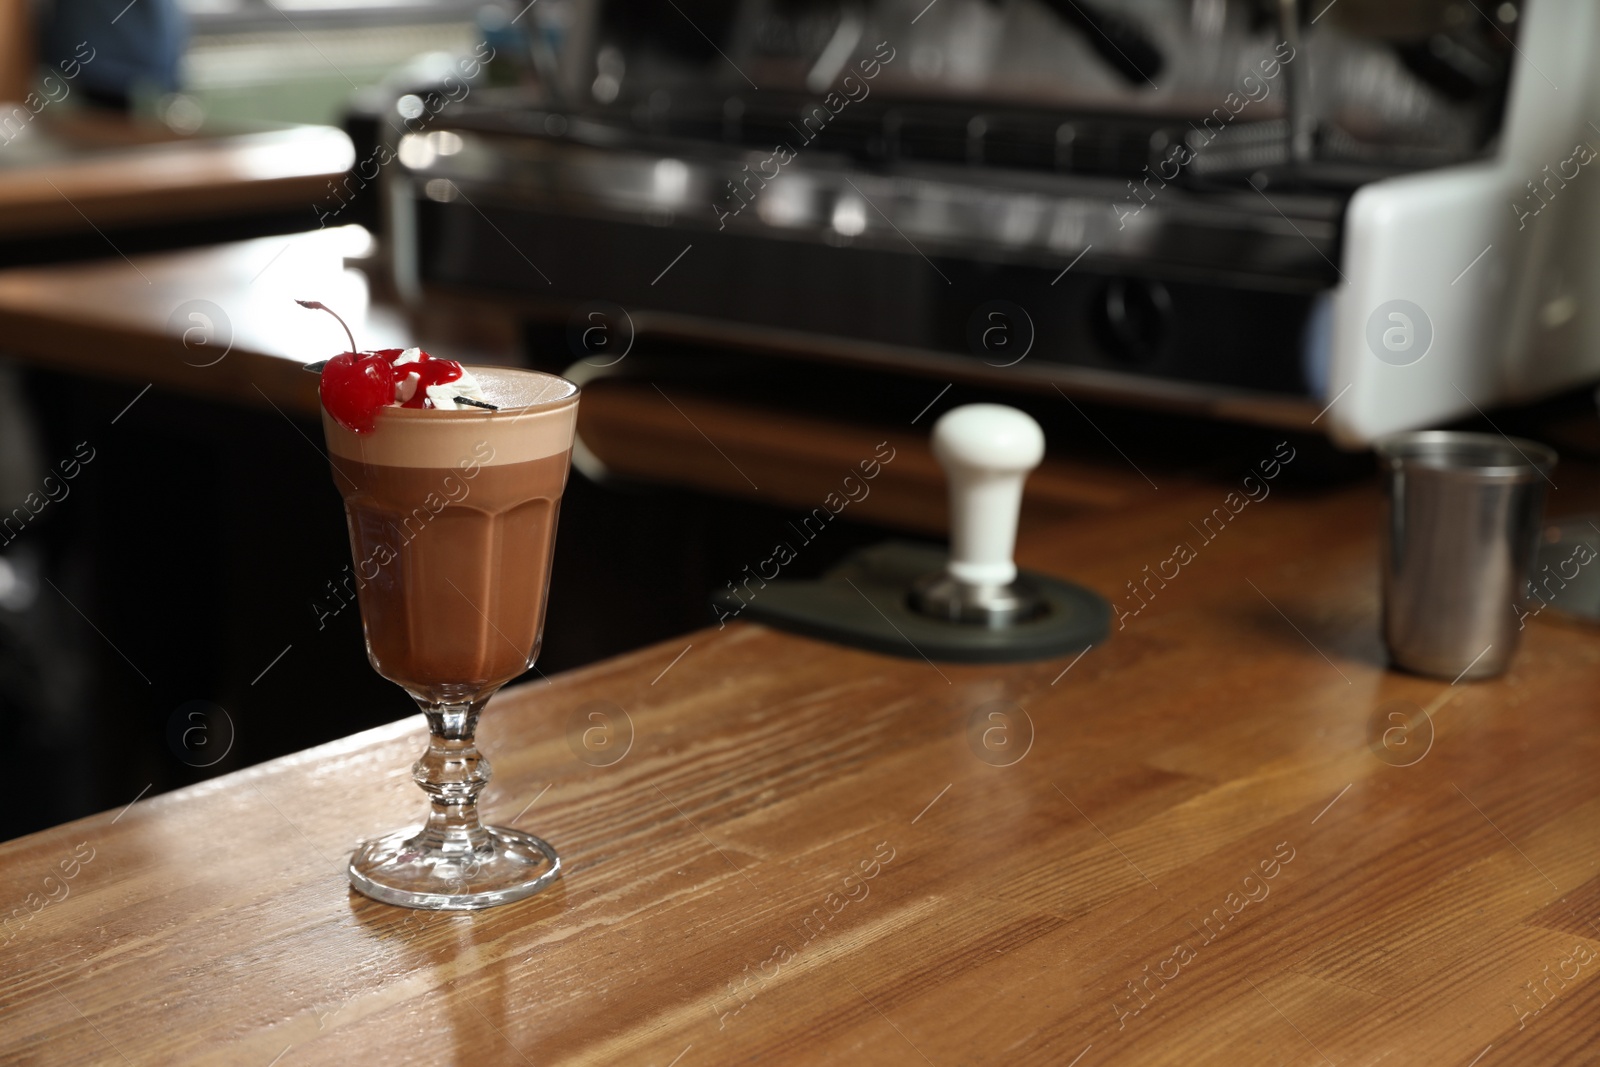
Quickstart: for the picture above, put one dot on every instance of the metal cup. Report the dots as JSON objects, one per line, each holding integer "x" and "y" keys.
{"x": 1464, "y": 512}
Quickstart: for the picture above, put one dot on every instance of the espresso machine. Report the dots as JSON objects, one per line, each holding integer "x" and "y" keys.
{"x": 1352, "y": 217}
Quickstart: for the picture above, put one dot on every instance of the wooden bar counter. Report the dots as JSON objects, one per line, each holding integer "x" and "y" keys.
{"x": 1194, "y": 844}
{"x": 1226, "y": 835}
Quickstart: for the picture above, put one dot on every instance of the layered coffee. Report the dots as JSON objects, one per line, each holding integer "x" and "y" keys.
{"x": 452, "y": 518}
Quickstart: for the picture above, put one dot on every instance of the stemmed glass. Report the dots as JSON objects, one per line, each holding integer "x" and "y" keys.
{"x": 452, "y": 518}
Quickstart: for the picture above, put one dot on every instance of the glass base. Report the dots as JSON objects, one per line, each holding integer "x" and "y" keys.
{"x": 401, "y": 869}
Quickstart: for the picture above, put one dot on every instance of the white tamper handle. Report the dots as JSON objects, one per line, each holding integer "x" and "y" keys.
{"x": 987, "y": 451}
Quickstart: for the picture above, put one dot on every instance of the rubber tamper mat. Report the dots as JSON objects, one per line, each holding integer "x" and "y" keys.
{"x": 864, "y": 603}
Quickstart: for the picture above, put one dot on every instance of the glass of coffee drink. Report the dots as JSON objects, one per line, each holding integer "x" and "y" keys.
{"x": 452, "y": 517}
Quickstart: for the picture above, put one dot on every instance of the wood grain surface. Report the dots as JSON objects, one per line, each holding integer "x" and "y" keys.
{"x": 1194, "y": 845}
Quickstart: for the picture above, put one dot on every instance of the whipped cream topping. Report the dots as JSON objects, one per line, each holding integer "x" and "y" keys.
{"x": 542, "y": 416}
{"x": 441, "y": 397}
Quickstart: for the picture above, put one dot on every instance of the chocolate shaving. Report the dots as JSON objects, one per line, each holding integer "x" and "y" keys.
{"x": 316, "y": 367}
{"x": 474, "y": 403}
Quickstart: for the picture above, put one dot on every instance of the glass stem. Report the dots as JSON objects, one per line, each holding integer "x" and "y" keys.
{"x": 452, "y": 772}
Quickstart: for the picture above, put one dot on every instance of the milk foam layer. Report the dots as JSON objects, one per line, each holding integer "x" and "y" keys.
{"x": 537, "y": 418}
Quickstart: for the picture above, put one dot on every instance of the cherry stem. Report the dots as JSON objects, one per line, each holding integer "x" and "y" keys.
{"x": 317, "y": 305}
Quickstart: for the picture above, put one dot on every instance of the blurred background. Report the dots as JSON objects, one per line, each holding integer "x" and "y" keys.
{"x": 765, "y": 235}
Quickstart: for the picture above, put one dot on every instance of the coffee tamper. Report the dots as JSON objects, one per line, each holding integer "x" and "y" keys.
{"x": 970, "y": 605}
{"x": 987, "y": 451}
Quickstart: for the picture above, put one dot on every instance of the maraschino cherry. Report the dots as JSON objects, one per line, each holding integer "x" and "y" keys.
{"x": 355, "y": 385}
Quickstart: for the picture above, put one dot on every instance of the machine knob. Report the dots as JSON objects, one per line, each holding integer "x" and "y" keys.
{"x": 987, "y": 451}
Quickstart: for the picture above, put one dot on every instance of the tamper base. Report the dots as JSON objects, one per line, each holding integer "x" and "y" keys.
{"x": 866, "y": 602}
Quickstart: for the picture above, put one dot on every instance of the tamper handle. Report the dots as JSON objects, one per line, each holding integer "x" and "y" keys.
{"x": 987, "y": 451}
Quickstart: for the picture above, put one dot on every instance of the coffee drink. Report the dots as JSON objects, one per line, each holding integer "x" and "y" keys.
{"x": 452, "y": 518}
